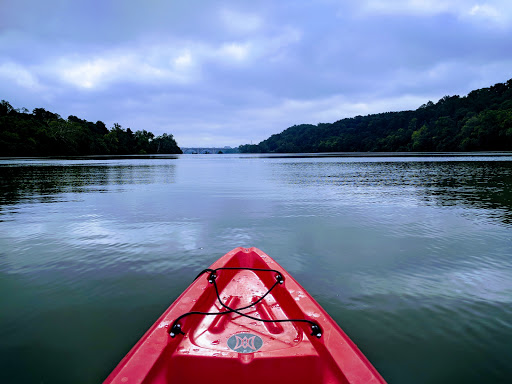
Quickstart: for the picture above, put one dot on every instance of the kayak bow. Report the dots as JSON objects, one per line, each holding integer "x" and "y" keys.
{"x": 245, "y": 320}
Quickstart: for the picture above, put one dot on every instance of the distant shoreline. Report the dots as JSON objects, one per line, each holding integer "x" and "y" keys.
{"x": 387, "y": 154}
{"x": 479, "y": 154}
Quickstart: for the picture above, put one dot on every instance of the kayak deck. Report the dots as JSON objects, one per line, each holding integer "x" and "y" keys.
{"x": 233, "y": 348}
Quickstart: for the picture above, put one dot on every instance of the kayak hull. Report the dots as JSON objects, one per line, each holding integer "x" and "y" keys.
{"x": 232, "y": 348}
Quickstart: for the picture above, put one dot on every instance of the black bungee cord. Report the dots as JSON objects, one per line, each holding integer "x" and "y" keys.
{"x": 176, "y": 329}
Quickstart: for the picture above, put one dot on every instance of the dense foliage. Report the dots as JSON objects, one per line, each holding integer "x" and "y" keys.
{"x": 480, "y": 121}
{"x": 43, "y": 133}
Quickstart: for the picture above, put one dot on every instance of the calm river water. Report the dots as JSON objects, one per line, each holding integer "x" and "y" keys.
{"x": 412, "y": 256}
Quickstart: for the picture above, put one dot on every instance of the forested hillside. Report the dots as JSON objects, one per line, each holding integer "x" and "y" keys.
{"x": 43, "y": 133}
{"x": 480, "y": 121}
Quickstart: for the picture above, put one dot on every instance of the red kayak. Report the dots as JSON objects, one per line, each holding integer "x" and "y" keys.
{"x": 245, "y": 320}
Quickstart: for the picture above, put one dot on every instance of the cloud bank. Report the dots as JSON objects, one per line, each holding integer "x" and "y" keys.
{"x": 217, "y": 73}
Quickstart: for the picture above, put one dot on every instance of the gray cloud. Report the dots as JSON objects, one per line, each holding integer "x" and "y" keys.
{"x": 231, "y": 72}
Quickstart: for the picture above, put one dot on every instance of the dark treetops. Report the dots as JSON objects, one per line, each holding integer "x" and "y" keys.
{"x": 480, "y": 121}
{"x": 43, "y": 133}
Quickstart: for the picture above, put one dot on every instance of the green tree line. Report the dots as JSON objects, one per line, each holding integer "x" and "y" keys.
{"x": 480, "y": 121}
{"x": 43, "y": 133}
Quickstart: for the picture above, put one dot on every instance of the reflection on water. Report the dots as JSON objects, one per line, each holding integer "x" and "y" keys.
{"x": 411, "y": 256}
{"x": 43, "y": 182}
{"x": 480, "y": 184}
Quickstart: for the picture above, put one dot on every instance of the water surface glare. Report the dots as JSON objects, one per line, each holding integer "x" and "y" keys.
{"x": 410, "y": 255}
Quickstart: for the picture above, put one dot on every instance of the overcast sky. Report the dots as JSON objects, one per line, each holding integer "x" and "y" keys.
{"x": 216, "y": 73}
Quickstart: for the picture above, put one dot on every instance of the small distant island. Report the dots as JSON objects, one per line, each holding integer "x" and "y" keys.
{"x": 209, "y": 150}
{"x": 43, "y": 133}
{"x": 480, "y": 121}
